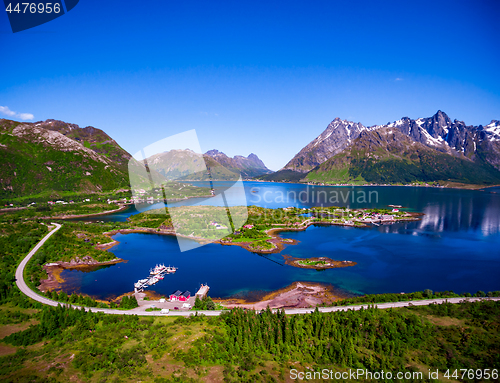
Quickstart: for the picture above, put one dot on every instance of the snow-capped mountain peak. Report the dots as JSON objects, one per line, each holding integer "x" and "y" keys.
{"x": 438, "y": 132}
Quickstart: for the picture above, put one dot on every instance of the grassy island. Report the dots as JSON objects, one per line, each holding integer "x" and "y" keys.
{"x": 318, "y": 263}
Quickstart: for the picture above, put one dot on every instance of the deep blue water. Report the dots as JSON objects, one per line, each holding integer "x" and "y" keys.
{"x": 456, "y": 246}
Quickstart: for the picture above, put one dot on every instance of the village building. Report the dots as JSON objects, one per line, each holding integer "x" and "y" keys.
{"x": 179, "y": 296}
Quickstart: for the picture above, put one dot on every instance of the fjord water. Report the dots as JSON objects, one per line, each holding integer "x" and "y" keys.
{"x": 455, "y": 246}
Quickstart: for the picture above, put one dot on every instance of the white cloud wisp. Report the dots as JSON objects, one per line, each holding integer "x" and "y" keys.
{"x": 23, "y": 116}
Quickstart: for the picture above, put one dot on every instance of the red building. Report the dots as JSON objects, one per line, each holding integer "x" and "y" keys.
{"x": 181, "y": 297}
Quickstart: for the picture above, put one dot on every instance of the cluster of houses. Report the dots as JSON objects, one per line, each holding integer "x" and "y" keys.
{"x": 124, "y": 200}
{"x": 238, "y": 231}
{"x": 179, "y": 296}
{"x": 53, "y": 203}
{"x": 140, "y": 197}
{"x": 136, "y": 199}
{"x": 349, "y": 218}
{"x": 292, "y": 208}
{"x": 217, "y": 225}
{"x": 371, "y": 217}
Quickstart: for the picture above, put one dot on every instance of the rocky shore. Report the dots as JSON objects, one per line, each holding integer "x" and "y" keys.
{"x": 317, "y": 263}
{"x": 297, "y": 295}
{"x": 55, "y": 269}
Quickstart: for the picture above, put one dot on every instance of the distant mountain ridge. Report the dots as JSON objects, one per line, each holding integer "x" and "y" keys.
{"x": 184, "y": 165}
{"x": 251, "y": 166}
{"x": 187, "y": 165}
{"x": 386, "y": 155}
{"x": 475, "y": 145}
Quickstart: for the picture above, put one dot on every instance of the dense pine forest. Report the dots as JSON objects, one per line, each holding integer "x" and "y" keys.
{"x": 245, "y": 346}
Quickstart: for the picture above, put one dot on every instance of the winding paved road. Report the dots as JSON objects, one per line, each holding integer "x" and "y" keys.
{"x": 20, "y": 271}
{"x": 140, "y": 311}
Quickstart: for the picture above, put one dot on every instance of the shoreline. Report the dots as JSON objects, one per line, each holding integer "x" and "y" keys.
{"x": 73, "y": 216}
{"x": 280, "y": 242}
{"x": 276, "y": 240}
{"x": 464, "y": 187}
{"x": 296, "y": 295}
{"x": 54, "y": 270}
{"x": 329, "y": 263}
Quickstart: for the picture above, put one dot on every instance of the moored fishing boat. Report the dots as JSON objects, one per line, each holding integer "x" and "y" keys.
{"x": 156, "y": 274}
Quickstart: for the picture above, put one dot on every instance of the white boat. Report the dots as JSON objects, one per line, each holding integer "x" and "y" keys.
{"x": 155, "y": 275}
{"x": 158, "y": 269}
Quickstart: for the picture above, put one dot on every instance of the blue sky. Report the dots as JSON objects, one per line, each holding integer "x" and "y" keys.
{"x": 253, "y": 76}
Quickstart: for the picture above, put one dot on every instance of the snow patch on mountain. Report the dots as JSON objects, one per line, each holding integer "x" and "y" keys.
{"x": 493, "y": 129}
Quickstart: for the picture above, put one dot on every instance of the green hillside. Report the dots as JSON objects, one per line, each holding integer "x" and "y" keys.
{"x": 38, "y": 161}
{"x": 284, "y": 175}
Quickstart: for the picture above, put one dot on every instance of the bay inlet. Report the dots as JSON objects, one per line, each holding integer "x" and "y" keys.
{"x": 455, "y": 246}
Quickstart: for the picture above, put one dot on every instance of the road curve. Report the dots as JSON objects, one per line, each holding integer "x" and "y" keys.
{"x": 21, "y": 284}
{"x": 20, "y": 271}
{"x": 40, "y": 298}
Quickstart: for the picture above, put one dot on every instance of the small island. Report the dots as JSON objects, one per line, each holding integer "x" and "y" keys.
{"x": 317, "y": 263}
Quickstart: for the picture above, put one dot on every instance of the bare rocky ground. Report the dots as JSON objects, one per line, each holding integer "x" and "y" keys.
{"x": 298, "y": 295}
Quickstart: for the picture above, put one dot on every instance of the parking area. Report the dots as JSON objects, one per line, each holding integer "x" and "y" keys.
{"x": 166, "y": 304}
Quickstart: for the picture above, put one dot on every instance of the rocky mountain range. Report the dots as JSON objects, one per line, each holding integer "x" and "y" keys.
{"x": 188, "y": 165}
{"x": 251, "y": 166}
{"x": 213, "y": 165}
{"x": 53, "y": 156}
{"x": 471, "y": 154}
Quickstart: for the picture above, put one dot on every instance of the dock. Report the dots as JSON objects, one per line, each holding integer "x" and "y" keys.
{"x": 155, "y": 275}
{"x": 202, "y": 292}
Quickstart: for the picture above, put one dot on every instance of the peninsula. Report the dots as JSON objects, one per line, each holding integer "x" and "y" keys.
{"x": 260, "y": 227}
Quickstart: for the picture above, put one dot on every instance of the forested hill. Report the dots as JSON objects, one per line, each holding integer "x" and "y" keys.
{"x": 245, "y": 346}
